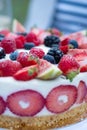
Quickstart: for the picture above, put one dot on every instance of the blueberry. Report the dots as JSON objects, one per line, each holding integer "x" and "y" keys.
{"x": 2, "y": 53}
{"x": 22, "y": 33}
{"x": 28, "y": 46}
{"x": 1, "y": 37}
{"x": 49, "y": 58}
{"x": 13, "y": 55}
{"x": 73, "y": 44}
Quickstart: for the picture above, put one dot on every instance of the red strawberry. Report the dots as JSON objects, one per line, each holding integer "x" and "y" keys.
{"x": 81, "y": 56}
{"x": 25, "y": 103}
{"x": 8, "y": 67}
{"x": 26, "y": 73}
{"x": 64, "y": 48}
{"x": 20, "y": 40}
{"x": 69, "y": 66}
{"x": 5, "y": 32}
{"x": 2, "y": 105}
{"x": 61, "y": 98}
{"x": 31, "y": 37}
{"x": 8, "y": 44}
{"x": 82, "y": 90}
{"x": 37, "y": 52}
{"x": 26, "y": 59}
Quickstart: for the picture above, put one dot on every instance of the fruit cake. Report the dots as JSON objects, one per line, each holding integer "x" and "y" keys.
{"x": 43, "y": 81}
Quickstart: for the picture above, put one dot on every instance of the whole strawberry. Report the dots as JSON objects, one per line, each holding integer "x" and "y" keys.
{"x": 69, "y": 66}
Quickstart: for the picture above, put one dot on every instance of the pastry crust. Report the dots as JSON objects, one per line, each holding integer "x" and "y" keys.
{"x": 45, "y": 122}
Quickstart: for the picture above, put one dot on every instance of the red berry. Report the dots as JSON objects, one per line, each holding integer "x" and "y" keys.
{"x": 82, "y": 90}
{"x": 2, "y": 105}
{"x": 8, "y": 44}
{"x": 37, "y": 52}
{"x": 69, "y": 66}
{"x": 5, "y": 32}
{"x": 61, "y": 98}
{"x": 8, "y": 67}
{"x": 26, "y": 73}
{"x": 64, "y": 42}
{"x": 25, "y": 103}
{"x": 20, "y": 40}
{"x": 27, "y": 60}
{"x": 31, "y": 37}
{"x": 64, "y": 48}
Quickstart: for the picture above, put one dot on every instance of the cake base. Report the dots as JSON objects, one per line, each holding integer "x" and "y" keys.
{"x": 47, "y": 122}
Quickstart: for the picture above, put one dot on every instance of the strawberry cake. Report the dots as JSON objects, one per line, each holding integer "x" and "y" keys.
{"x": 43, "y": 81}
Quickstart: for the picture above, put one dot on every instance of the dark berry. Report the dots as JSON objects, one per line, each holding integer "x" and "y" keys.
{"x": 56, "y": 53}
{"x": 51, "y": 40}
{"x": 22, "y": 33}
{"x": 73, "y": 44}
{"x": 2, "y": 53}
{"x": 28, "y": 46}
{"x": 14, "y": 55}
{"x": 1, "y": 37}
{"x": 49, "y": 58}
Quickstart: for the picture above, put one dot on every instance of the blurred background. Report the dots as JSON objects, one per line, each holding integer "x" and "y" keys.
{"x": 13, "y": 9}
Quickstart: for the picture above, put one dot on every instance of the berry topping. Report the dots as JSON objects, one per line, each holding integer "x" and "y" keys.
{"x": 32, "y": 37}
{"x": 37, "y": 52}
{"x": 26, "y": 59}
{"x": 2, "y": 105}
{"x": 50, "y": 40}
{"x": 13, "y": 55}
{"x": 49, "y": 58}
{"x": 69, "y": 66}
{"x": 20, "y": 40}
{"x": 55, "y": 31}
{"x": 22, "y": 33}
{"x": 61, "y": 98}
{"x": 25, "y": 103}
{"x": 73, "y": 44}
{"x": 1, "y": 37}
{"x": 26, "y": 73}
{"x": 8, "y": 67}
{"x": 82, "y": 90}
{"x": 56, "y": 53}
{"x": 47, "y": 70}
{"x": 9, "y": 44}
{"x": 29, "y": 45}
{"x": 2, "y": 53}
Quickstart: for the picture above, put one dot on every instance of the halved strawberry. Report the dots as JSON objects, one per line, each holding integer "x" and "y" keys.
{"x": 61, "y": 98}
{"x": 26, "y": 73}
{"x": 25, "y": 102}
{"x": 2, "y": 105}
{"x": 69, "y": 66}
{"x": 82, "y": 90}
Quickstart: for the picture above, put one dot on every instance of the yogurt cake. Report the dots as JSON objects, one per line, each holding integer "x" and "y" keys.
{"x": 43, "y": 82}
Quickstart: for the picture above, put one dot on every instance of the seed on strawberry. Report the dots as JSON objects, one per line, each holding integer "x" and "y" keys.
{"x": 26, "y": 73}
{"x": 8, "y": 44}
{"x": 25, "y": 102}
{"x": 26, "y": 59}
{"x": 8, "y": 67}
{"x": 69, "y": 66}
{"x": 37, "y": 52}
{"x": 2, "y": 105}
{"x": 82, "y": 90}
{"x": 61, "y": 98}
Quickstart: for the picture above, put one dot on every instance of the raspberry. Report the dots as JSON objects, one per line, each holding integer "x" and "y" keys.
{"x": 37, "y": 52}
{"x": 31, "y": 37}
{"x": 8, "y": 44}
{"x": 20, "y": 40}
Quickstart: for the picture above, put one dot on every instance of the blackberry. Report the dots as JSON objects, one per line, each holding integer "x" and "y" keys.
{"x": 49, "y": 58}
{"x": 73, "y": 44}
{"x": 56, "y": 53}
{"x": 49, "y": 41}
{"x": 13, "y": 55}
{"x": 2, "y": 53}
{"x": 28, "y": 46}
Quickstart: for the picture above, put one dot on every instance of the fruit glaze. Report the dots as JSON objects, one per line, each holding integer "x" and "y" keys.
{"x": 43, "y": 81}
